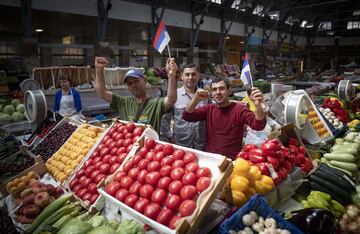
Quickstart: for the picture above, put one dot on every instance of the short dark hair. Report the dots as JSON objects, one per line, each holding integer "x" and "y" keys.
{"x": 64, "y": 77}
{"x": 189, "y": 65}
{"x": 219, "y": 79}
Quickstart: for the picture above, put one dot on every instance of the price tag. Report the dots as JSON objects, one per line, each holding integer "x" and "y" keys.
{"x": 272, "y": 171}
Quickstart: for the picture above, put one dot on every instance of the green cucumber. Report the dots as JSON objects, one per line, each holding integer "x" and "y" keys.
{"x": 334, "y": 179}
{"x": 352, "y": 167}
{"x": 319, "y": 187}
{"x": 338, "y": 191}
{"x": 341, "y": 157}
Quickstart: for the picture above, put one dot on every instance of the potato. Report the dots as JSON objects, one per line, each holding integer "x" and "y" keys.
{"x": 31, "y": 175}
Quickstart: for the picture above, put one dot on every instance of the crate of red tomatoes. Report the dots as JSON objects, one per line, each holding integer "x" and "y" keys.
{"x": 104, "y": 159}
{"x": 166, "y": 186}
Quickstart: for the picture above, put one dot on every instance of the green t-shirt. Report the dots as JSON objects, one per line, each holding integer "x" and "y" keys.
{"x": 128, "y": 107}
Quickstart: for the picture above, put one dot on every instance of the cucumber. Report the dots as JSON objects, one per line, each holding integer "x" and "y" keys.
{"x": 335, "y": 190}
{"x": 341, "y": 157}
{"x": 332, "y": 178}
{"x": 319, "y": 187}
{"x": 352, "y": 167}
{"x": 49, "y": 210}
{"x": 347, "y": 150}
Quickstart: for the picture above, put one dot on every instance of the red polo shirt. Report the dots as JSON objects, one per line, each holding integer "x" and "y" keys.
{"x": 225, "y": 126}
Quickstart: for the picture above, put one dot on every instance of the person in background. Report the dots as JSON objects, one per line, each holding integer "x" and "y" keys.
{"x": 225, "y": 120}
{"x": 67, "y": 100}
{"x": 140, "y": 107}
{"x": 188, "y": 134}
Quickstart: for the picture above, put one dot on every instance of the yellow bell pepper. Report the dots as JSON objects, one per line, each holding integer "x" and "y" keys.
{"x": 239, "y": 183}
{"x": 249, "y": 192}
{"x": 267, "y": 180}
{"x": 239, "y": 198}
{"x": 255, "y": 173}
{"x": 241, "y": 166}
{"x": 262, "y": 188}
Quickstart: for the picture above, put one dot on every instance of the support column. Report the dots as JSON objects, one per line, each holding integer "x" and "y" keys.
{"x": 293, "y": 41}
{"x": 280, "y": 41}
{"x": 309, "y": 44}
{"x": 102, "y": 47}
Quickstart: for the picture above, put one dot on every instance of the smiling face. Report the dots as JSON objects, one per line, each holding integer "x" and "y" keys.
{"x": 220, "y": 93}
{"x": 190, "y": 77}
{"x": 64, "y": 84}
{"x": 137, "y": 86}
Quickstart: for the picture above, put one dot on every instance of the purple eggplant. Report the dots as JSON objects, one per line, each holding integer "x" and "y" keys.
{"x": 314, "y": 220}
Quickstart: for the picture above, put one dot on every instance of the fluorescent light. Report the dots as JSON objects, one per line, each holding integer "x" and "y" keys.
{"x": 357, "y": 12}
{"x": 39, "y": 30}
{"x": 227, "y": 38}
{"x": 241, "y": 42}
{"x": 330, "y": 33}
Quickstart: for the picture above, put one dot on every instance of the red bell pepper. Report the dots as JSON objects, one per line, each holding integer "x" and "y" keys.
{"x": 256, "y": 158}
{"x": 293, "y": 149}
{"x": 271, "y": 153}
{"x": 302, "y": 149}
{"x": 294, "y": 159}
{"x": 293, "y": 141}
{"x": 306, "y": 166}
{"x": 263, "y": 168}
{"x": 275, "y": 141}
{"x": 268, "y": 146}
{"x": 274, "y": 162}
{"x": 282, "y": 154}
{"x": 257, "y": 152}
{"x": 301, "y": 157}
{"x": 286, "y": 164}
{"x": 243, "y": 155}
{"x": 282, "y": 173}
{"x": 249, "y": 147}
{"x": 283, "y": 148}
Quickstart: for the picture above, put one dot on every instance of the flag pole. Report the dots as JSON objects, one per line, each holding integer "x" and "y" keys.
{"x": 167, "y": 45}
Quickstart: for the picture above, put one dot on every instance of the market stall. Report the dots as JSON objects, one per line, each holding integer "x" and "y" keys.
{"x": 298, "y": 176}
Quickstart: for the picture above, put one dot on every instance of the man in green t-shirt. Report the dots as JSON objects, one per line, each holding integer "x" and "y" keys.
{"x": 140, "y": 107}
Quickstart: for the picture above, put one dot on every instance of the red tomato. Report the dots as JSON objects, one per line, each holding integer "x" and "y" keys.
{"x": 188, "y": 192}
{"x": 107, "y": 137}
{"x": 190, "y": 157}
{"x": 102, "y": 145}
{"x": 158, "y": 148}
{"x": 131, "y": 200}
{"x": 153, "y": 177}
{"x": 114, "y": 135}
{"x": 126, "y": 182}
{"x": 130, "y": 126}
{"x": 114, "y": 167}
{"x": 113, "y": 159}
{"x": 81, "y": 192}
{"x": 129, "y": 135}
{"x": 129, "y": 148}
{"x": 108, "y": 142}
{"x": 192, "y": 167}
{"x": 178, "y": 163}
{"x": 141, "y": 204}
{"x": 95, "y": 153}
{"x": 85, "y": 183}
{"x": 137, "y": 159}
{"x": 93, "y": 198}
{"x": 143, "y": 151}
{"x": 164, "y": 183}
{"x": 158, "y": 196}
{"x": 203, "y": 172}
{"x": 86, "y": 197}
{"x": 127, "y": 142}
{"x": 121, "y": 150}
{"x": 105, "y": 168}
{"x": 121, "y": 194}
{"x": 89, "y": 170}
{"x": 117, "y": 126}
{"x": 177, "y": 173}
{"x": 153, "y": 166}
{"x": 92, "y": 188}
{"x": 138, "y": 131}
{"x": 173, "y": 201}
{"x": 104, "y": 151}
{"x": 172, "y": 223}
{"x": 112, "y": 187}
{"x": 135, "y": 187}
{"x": 99, "y": 177}
{"x": 143, "y": 163}
{"x": 187, "y": 207}
{"x": 113, "y": 151}
{"x": 175, "y": 187}
{"x": 81, "y": 179}
{"x": 122, "y": 157}
{"x": 159, "y": 156}
{"x": 110, "y": 132}
{"x": 119, "y": 175}
{"x": 133, "y": 172}
{"x": 168, "y": 160}
{"x": 152, "y": 210}
{"x": 121, "y": 129}
{"x": 136, "y": 138}
{"x": 164, "y": 217}
{"x": 178, "y": 154}
{"x": 165, "y": 170}
{"x": 98, "y": 164}
{"x": 150, "y": 155}
{"x": 168, "y": 149}
{"x": 97, "y": 159}
{"x": 150, "y": 143}
{"x": 94, "y": 174}
{"x": 76, "y": 188}
{"x": 106, "y": 158}
{"x": 203, "y": 183}
{"x": 127, "y": 166}
{"x": 146, "y": 190}
{"x": 88, "y": 163}
{"x": 112, "y": 145}
{"x": 74, "y": 182}
{"x": 119, "y": 137}
{"x": 189, "y": 178}
{"x": 141, "y": 176}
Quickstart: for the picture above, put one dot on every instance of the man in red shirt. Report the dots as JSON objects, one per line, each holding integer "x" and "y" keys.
{"x": 225, "y": 120}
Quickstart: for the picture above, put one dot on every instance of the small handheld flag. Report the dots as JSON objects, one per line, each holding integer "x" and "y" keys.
{"x": 162, "y": 39}
{"x": 245, "y": 72}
